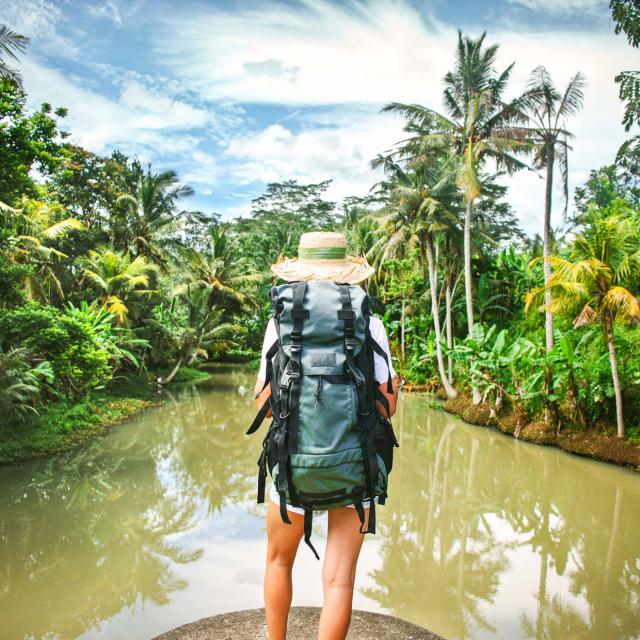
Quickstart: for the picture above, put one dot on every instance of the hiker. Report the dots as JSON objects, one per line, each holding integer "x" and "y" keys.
{"x": 320, "y": 277}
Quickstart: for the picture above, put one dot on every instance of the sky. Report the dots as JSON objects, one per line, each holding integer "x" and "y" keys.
{"x": 234, "y": 95}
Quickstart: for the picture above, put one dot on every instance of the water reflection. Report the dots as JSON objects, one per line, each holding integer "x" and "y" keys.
{"x": 85, "y": 535}
{"x": 493, "y": 538}
{"x": 483, "y": 537}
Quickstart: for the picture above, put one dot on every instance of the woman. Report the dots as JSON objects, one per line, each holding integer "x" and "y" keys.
{"x": 344, "y": 539}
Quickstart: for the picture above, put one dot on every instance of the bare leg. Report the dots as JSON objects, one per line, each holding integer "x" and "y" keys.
{"x": 283, "y": 541}
{"x": 344, "y": 542}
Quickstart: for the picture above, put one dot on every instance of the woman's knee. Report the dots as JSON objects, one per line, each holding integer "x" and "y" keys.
{"x": 281, "y": 556}
{"x": 339, "y": 578}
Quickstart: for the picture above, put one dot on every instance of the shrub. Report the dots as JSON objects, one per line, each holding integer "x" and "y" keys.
{"x": 78, "y": 360}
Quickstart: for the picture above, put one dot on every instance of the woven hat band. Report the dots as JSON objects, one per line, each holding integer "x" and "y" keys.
{"x": 322, "y": 253}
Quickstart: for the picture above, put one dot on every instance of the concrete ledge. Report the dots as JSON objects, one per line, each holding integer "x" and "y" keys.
{"x": 303, "y": 624}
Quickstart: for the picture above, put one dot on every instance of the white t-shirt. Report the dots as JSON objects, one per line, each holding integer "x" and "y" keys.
{"x": 378, "y": 333}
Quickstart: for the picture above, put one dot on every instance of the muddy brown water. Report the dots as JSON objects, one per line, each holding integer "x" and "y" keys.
{"x": 156, "y": 525}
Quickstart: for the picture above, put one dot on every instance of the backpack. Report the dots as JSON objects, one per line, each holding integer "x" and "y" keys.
{"x": 328, "y": 445}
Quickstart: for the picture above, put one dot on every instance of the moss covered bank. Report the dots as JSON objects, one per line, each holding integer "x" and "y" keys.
{"x": 65, "y": 424}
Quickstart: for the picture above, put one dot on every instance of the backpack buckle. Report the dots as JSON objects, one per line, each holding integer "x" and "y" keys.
{"x": 295, "y": 347}
{"x": 289, "y": 375}
{"x": 350, "y": 343}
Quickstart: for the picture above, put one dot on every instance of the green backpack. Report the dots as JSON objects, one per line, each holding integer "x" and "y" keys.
{"x": 328, "y": 445}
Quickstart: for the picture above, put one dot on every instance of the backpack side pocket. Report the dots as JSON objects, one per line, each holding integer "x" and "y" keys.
{"x": 385, "y": 441}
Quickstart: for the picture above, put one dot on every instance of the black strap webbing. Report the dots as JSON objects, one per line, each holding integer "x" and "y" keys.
{"x": 260, "y": 416}
{"x": 298, "y": 313}
{"x": 383, "y": 354}
{"x": 347, "y": 315}
{"x": 382, "y": 399}
{"x": 283, "y": 459}
{"x": 264, "y": 409}
{"x": 308, "y": 522}
{"x": 357, "y": 503}
{"x": 262, "y": 472}
{"x": 366, "y": 414}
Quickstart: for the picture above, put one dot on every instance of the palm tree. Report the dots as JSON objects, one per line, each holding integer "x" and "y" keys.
{"x": 414, "y": 216}
{"x": 203, "y": 328}
{"x": 548, "y": 109}
{"x": 482, "y": 126}
{"x": 117, "y": 277}
{"x": 606, "y": 258}
{"x": 32, "y": 229}
{"x": 150, "y": 222}
{"x": 10, "y": 43}
{"x": 218, "y": 271}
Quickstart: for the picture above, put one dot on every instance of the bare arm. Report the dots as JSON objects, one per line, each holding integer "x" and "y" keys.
{"x": 262, "y": 398}
{"x": 392, "y": 398}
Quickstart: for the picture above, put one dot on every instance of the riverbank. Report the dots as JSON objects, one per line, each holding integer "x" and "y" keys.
{"x": 62, "y": 425}
{"x": 598, "y": 444}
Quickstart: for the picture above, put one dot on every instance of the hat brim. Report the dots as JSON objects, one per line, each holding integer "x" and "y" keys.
{"x": 352, "y": 270}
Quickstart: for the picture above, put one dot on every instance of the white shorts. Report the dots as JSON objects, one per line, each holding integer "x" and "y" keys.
{"x": 273, "y": 494}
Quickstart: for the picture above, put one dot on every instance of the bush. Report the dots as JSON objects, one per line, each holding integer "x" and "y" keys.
{"x": 78, "y": 359}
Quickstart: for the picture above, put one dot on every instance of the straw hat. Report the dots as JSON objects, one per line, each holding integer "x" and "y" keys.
{"x": 322, "y": 255}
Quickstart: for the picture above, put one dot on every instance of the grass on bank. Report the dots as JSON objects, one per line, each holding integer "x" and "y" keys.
{"x": 64, "y": 424}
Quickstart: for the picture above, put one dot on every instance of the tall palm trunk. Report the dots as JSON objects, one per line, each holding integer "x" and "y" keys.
{"x": 403, "y": 316}
{"x": 546, "y": 248}
{"x": 448, "y": 387}
{"x": 449, "y": 328}
{"x": 615, "y": 375}
{"x": 551, "y": 411}
{"x": 172, "y": 375}
{"x": 468, "y": 286}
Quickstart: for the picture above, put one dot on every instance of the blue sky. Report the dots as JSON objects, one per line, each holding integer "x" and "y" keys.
{"x": 237, "y": 94}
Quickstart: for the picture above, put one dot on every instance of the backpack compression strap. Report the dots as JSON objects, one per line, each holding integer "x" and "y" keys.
{"x": 290, "y": 382}
{"x": 365, "y": 413}
{"x": 289, "y": 394}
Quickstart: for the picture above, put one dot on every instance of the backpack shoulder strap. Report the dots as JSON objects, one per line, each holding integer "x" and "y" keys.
{"x": 264, "y": 409}
{"x": 366, "y": 415}
{"x": 383, "y": 354}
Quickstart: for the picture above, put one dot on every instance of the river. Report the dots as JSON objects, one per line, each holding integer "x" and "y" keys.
{"x": 156, "y": 525}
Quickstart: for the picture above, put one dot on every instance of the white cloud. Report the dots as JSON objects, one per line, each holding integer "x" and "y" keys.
{"x": 314, "y": 52}
{"x": 341, "y": 152}
{"x": 116, "y": 11}
{"x": 319, "y": 53}
{"x": 38, "y": 20}
{"x": 558, "y": 7}
{"x": 31, "y": 18}
{"x": 346, "y": 59}
{"x": 138, "y": 116}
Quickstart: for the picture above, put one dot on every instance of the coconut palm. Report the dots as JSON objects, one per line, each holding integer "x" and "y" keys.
{"x": 481, "y": 126}
{"x": 151, "y": 220}
{"x": 193, "y": 327}
{"x": 33, "y": 227}
{"x": 548, "y": 109}
{"x": 594, "y": 281}
{"x": 117, "y": 277}
{"x": 218, "y": 272}
{"x": 414, "y": 216}
{"x": 11, "y": 43}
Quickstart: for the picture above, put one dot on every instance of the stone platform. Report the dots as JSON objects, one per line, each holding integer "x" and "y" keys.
{"x": 303, "y": 624}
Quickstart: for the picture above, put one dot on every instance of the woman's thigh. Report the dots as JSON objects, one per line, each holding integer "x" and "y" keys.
{"x": 344, "y": 542}
{"x": 283, "y": 538}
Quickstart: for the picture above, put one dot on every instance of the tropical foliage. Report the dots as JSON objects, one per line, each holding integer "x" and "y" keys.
{"x": 105, "y": 270}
